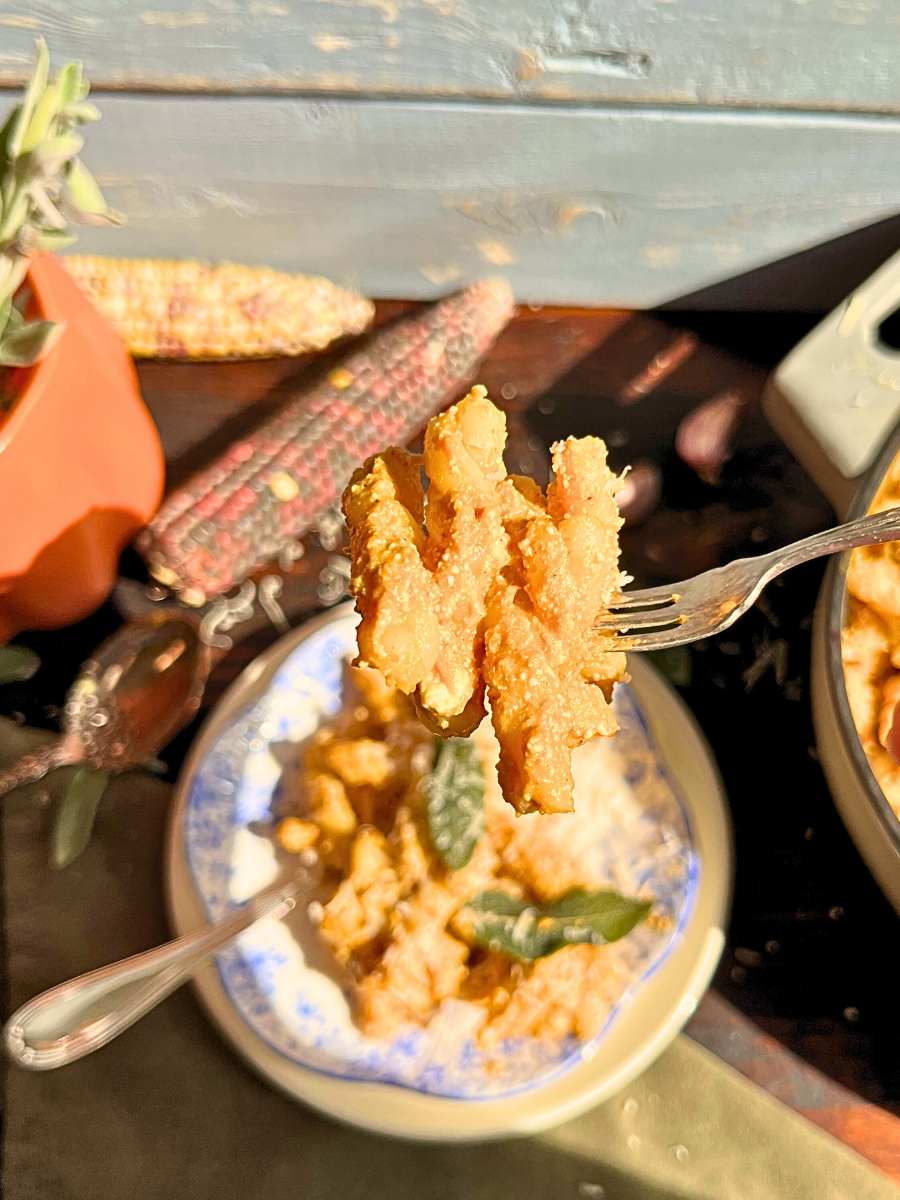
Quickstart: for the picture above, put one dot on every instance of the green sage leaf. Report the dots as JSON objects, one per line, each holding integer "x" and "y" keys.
{"x": 26, "y": 345}
{"x": 75, "y": 816}
{"x": 528, "y": 931}
{"x": 17, "y": 663}
{"x": 454, "y": 794}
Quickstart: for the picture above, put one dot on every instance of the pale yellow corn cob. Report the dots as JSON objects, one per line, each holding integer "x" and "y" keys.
{"x": 185, "y": 309}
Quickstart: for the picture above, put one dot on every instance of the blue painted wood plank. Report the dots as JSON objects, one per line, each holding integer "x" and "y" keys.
{"x": 806, "y": 54}
{"x": 575, "y": 205}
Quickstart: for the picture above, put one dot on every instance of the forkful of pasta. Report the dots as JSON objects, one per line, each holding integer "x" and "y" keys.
{"x": 480, "y": 592}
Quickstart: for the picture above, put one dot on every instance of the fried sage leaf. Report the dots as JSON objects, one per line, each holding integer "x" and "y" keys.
{"x": 75, "y": 815}
{"x": 455, "y": 800}
{"x": 527, "y": 931}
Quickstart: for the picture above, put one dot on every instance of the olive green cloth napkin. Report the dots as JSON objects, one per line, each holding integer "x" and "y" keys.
{"x": 168, "y": 1111}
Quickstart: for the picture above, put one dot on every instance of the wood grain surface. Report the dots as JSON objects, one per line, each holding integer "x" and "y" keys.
{"x": 783, "y": 54}
{"x": 617, "y": 206}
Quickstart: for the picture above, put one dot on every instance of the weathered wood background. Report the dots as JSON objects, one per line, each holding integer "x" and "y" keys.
{"x": 595, "y": 151}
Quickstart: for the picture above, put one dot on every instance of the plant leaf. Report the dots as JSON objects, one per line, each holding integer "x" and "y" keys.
{"x": 26, "y": 345}
{"x": 45, "y": 112}
{"x": 33, "y": 92}
{"x": 13, "y": 269}
{"x": 17, "y": 663}
{"x": 51, "y": 239}
{"x": 75, "y": 815}
{"x": 608, "y": 914}
{"x": 71, "y": 84}
{"x": 54, "y": 152}
{"x": 83, "y": 112}
{"x": 528, "y": 931}
{"x": 454, "y": 793}
{"x": 14, "y": 217}
{"x": 84, "y": 191}
{"x": 6, "y": 131}
{"x": 49, "y": 213}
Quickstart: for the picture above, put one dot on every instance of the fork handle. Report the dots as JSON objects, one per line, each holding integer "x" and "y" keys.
{"x": 864, "y": 531}
{"x": 77, "y": 1017}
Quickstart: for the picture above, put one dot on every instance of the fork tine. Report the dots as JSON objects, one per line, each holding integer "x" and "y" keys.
{"x": 646, "y": 597}
{"x": 646, "y": 618}
{"x": 664, "y": 640}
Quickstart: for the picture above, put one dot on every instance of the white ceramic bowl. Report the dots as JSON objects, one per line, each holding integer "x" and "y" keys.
{"x": 288, "y": 1019}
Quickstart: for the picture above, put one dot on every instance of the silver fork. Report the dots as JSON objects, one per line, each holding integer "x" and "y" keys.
{"x": 656, "y": 618}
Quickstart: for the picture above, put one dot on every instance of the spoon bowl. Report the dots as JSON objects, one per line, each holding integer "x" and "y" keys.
{"x": 140, "y": 687}
{"x": 138, "y": 690}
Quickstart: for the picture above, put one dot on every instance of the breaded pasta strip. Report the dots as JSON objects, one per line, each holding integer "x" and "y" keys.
{"x": 395, "y": 594}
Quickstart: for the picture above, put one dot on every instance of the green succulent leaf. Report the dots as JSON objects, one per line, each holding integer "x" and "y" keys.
{"x": 6, "y": 132}
{"x": 51, "y": 239}
{"x": 12, "y": 271}
{"x": 46, "y": 208}
{"x": 33, "y": 93}
{"x": 76, "y": 812}
{"x": 42, "y": 120}
{"x": 14, "y": 217}
{"x": 42, "y": 182}
{"x": 14, "y": 318}
{"x": 72, "y": 85}
{"x": 83, "y": 113}
{"x": 17, "y": 663}
{"x": 454, "y": 794}
{"x": 55, "y": 152}
{"x": 528, "y": 931}
{"x": 27, "y": 344}
{"x": 83, "y": 190}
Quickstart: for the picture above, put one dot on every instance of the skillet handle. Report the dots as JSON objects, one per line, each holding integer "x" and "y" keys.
{"x": 835, "y": 399}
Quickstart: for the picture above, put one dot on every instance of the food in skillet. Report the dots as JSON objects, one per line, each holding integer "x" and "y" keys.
{"x": 871, "y": 647}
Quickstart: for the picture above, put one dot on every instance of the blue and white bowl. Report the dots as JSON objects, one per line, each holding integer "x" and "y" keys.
{"x": 652, "y": 823}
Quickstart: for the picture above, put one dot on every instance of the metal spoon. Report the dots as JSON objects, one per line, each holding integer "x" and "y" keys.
{"x": 140, "y": 687}
{"x": 77, "y": 1017}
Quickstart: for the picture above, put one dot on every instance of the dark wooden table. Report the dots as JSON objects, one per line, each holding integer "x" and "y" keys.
{"x": 811, "y": 935}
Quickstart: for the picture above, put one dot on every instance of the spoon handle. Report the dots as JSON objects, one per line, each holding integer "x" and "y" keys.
{"x": 77, "y": 1017}
{"x": 31, "y": 767}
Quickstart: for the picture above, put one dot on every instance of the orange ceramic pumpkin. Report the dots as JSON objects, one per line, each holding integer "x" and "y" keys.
{"x": 81, "y": 467}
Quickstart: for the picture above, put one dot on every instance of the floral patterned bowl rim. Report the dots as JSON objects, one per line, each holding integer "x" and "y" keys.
{"x": 653, "y": 1014}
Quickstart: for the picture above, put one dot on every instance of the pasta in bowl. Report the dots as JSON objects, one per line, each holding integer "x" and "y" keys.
{"x": 289, "y": 994}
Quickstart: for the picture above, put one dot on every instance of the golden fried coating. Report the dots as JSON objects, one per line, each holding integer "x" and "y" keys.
{"x": 871, "y": 645}
{"x": 486, "y": 585}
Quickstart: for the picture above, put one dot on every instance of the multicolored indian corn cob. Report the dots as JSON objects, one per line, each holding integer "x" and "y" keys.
{"x": 269, "y": 488}
{"x": 186, "y": 309}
